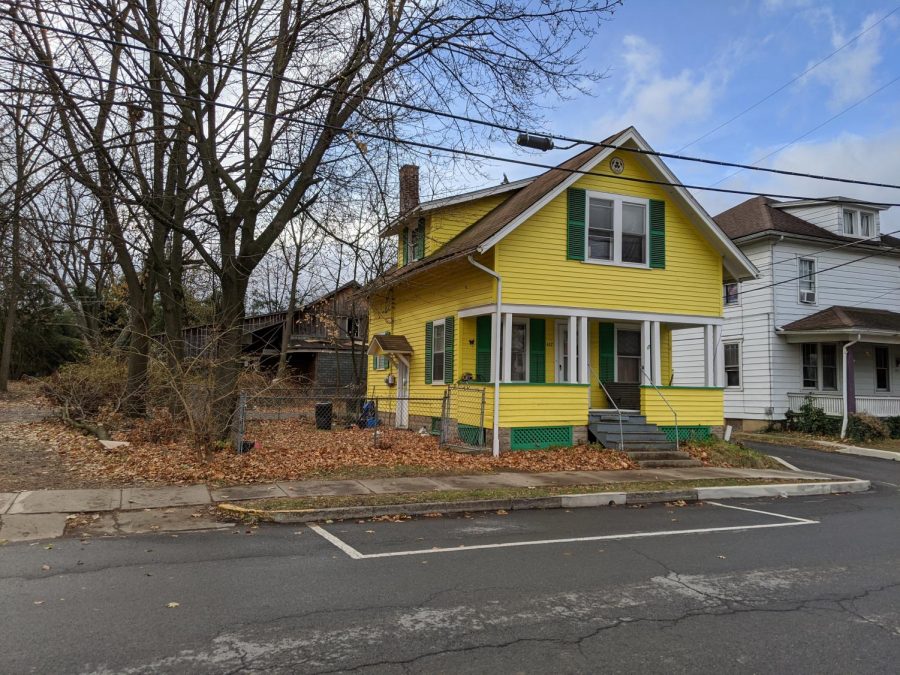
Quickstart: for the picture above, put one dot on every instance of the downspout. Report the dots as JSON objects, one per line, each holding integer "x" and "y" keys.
{"x": 495, "y": 436}
{"x": 844, "y": 392}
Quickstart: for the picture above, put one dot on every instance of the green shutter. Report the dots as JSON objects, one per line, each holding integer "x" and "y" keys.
{"x": 404, "y": 238}
{"x": 607, "y": 352}
{"x": 374, "y": 363}
{"x": 575, "y": 224}
{"x": 429, "y": 339}
{"x": 536, "y": 360}
{"x": 420, "y": 239}
{"x": 657, "y": 234}
{"x": 483, "y": 348}
{"x": 449, "y": 334}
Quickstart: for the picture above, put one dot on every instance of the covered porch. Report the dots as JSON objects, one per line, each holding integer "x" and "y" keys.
{"x": 552, "y": 367}
{"x": 849, "y": 361}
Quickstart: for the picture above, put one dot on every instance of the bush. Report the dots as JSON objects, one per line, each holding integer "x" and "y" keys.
{"x": 862, "y": 428}
{"x": 812, "y": 420}
{"x": 893, "y": 426}
{"x": 87, "y": 388}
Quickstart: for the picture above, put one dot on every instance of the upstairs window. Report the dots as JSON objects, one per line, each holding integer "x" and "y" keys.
{"x": 858, "y": 223}
{"x": 731, "y": 293}
{"x": 807, "y": 274}
{"x": 414, "y": 243}
{"x": 617, "y": 229}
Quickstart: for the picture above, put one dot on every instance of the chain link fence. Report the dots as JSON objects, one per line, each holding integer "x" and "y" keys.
{"x": 456, "y": 417}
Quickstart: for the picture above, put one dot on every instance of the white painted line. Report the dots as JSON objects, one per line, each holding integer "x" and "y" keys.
{"x": 785, "y": 463}
{"x": 346, "y": 548}
{"x": 803, "y": 521}
{"x": 353, "y": 553}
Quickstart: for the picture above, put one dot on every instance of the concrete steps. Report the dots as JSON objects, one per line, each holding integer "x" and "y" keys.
{"x": 642, "y": 441}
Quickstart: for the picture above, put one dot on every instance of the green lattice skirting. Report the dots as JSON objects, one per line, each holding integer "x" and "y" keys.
{"x": 471, "y": 435}
{"x": 694, "y": 433}
{"x": 535, "y": 438}
{"x": 436, "y": 426}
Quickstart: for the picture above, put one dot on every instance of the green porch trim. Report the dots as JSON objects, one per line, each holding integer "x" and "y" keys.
{"x": 677, "y": 386}
{"x": 697, "y": 432}
{"x": 539, "y": 438}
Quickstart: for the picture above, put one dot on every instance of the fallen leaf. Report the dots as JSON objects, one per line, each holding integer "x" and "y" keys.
{"x": 39, "y": 602}
{"x": 46, "y": 568}
{"x": 721, "y": 556}
{"x": 501, "y": 512}
{"x": 173, "y": 605}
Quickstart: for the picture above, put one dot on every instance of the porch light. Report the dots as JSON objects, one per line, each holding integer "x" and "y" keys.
{"x": 542, "y": 143}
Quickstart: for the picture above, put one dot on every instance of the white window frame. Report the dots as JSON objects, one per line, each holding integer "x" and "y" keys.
{"x": 740, "y": 364}
{"x": 527, "y": 324}
{"x": 820, "y": 368}
{"x": 618, "y": 201}
{"x": 434, "y": 324}
{"x": 631, "y": 328}
{"x": 856, "y": 220}
{"x": 875, "y": 367}
{"x": 802, "y": 278}
{"x": 737, "y": 302}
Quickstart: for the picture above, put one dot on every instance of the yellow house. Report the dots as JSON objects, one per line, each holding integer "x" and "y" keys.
{"x": 557, "y": 294}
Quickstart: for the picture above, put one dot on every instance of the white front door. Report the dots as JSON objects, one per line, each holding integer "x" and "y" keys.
{"x": 562, "y": 351}
{"x": 402, "y": 417}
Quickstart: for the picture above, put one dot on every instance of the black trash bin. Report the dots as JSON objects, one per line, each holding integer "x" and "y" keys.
{"x": 324, "y": 415}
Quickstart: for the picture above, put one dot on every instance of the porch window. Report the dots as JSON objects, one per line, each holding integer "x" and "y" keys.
{"x": 810, "y": 366}
{"x": 617, "y": 229}
{"x": 519, "y": 351}
{"x": 829, "y": 367}
{"x": 628, "y": 356}
{"x": 882, "y": 369}
{"x": 437, "y": 353}
{"x": 731, "y": 293}
{"x": 807, "y": 281}
{"x": 732, "y": 364}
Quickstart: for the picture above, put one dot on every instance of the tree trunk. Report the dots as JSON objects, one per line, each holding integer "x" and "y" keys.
{"x": 288, "y": 327}
{"x": 229, "y": 342}
{"x": 12, "y": 298}
{"x": 138, "y": 360}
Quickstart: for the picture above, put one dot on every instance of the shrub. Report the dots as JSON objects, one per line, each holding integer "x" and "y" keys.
{"x": 862, "y": 428}
{"x": 893, "y": 425}
{"x": 87, "y": 388}
{"x": 812, "y": 420}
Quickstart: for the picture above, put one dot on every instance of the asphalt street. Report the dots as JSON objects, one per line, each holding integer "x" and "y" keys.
{"x": 807, "y": 585}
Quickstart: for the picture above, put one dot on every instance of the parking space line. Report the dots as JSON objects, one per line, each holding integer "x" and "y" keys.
{"x": 765, "y": 513}
{"x": 357, "y": 555}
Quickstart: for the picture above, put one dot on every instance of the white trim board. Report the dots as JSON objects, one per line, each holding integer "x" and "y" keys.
{"x": 739, "y": 266}
{"x": 593, "y": 313}
{"x": 792, "y": 521}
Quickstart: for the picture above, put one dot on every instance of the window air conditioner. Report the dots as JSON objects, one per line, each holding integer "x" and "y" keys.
{"x": 808, "y": 297}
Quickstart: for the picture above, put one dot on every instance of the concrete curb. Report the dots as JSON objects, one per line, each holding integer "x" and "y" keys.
{"x": 861, "y": 452}
{"x": 573, "y": 501}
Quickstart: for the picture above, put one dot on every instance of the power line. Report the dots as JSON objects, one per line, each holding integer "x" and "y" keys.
{"x": 423, "y": 145}
{"x": 438, "y": 113}
{"x": 826, "y": 250}
{"x": 815, "y": 128}
{"x": 789, "y": 82}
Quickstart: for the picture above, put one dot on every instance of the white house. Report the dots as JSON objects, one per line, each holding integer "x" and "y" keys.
{"x": 824, "y": 312}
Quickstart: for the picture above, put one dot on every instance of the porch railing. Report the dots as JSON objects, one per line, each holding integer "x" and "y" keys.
{"x": 833, "y": 404}
{"x": 664, "y": 400}
{"x": 618, "y": 410}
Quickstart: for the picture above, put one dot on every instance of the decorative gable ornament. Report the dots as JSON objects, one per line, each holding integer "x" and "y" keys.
{"x": 617, "y": 165}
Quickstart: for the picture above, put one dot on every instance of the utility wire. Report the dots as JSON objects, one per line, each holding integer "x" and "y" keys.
{"x": 815, "y": 128}
{"x": 430, "y": 111}
{"x": 789, "y": 82}
{"x": 420, "y": 144}
{"x": 826, "y": 250}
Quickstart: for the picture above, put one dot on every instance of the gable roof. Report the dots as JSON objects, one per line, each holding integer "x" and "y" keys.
{"x": 522, "y": 204}
{"x": 848, "y": 319}
{"x": 762, "y": 214}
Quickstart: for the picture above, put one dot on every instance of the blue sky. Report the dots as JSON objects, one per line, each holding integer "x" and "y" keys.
{"x": 677, "y": 69}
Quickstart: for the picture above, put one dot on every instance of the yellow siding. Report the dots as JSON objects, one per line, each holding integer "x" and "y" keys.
{"x": 536, "y": 405}
{"x": 665, "y": 353}
{"x": 535, "y": 270}
{"x": 446, "y": 223}
{"x": 694, "y": 405}
{"x": 405, "y": 309}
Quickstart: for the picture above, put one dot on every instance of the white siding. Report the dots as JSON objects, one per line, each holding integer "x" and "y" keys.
{"x": 827, "y": 216}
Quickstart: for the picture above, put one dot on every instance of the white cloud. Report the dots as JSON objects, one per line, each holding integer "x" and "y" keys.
{"x": 658, "y": 103}
{"x": 873, "y": 158}
{"x": 850, "y": 74}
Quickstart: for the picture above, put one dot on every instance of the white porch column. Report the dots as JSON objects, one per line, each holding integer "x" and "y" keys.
{"x": 709, "y": 354}
{"x": 495, "y": 335}
{"x": 584, "y": 357}
{"x": 655, "y": 349}
{"x": 646, "y": 354}
{"x": 507, "y": 347}
{"x": 719, "y": 358}
{"x": 573, "y": 349}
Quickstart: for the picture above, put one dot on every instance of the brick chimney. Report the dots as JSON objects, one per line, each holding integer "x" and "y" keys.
{"x": 409, "y": 187}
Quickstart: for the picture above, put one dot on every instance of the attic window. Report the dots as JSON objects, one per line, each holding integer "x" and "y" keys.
{"x": 858, "y": 223}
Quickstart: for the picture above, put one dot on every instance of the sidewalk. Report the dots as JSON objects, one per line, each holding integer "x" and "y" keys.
{"x": 43, "y": 514}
